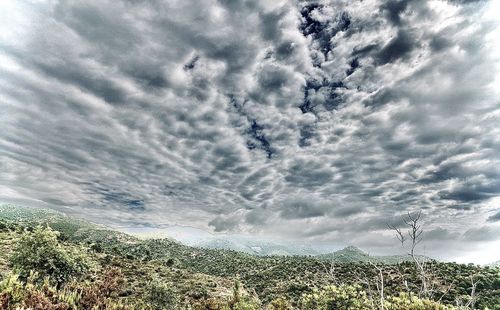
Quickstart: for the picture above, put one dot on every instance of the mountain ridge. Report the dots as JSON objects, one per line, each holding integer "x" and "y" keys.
{"x": 78, "y": 228}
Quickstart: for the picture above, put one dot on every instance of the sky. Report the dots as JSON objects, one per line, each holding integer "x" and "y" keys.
{"x": 318, "y": 121}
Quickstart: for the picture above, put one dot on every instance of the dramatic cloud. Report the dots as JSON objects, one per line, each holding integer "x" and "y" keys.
{"x": 313, "y": 120}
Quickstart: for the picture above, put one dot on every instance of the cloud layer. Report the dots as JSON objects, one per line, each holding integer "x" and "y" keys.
{"x": 314, "y": 120}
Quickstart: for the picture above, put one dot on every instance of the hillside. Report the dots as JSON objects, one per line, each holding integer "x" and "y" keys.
{"x": 200, "y": 238}
{"x": 78, "y": 230}
{"x": 255, "y": 246}
{"x": 201, "y": 278}
{"x": 353, "y": 254}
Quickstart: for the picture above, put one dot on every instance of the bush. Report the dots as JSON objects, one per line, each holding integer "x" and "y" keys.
{"x": 242, "y": 302}
{"x": 15, "y": 294}
{"x": 343, "y": 297}
{"x": 161, "y": 295}
{"x": 280, "y": 303}
{"x": 408, "y": 302}
{"x": 41, "y": 252}
{"x": 101, "y": 293}
{"x": 11, "y": 291}
{"x": 4, "y": 226}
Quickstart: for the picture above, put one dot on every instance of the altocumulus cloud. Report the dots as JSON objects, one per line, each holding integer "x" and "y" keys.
{"x": 250, "y": 116}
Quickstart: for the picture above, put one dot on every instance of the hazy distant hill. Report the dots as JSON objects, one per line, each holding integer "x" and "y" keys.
{"x": 80, "y": 229}
{"x": 200, "y": 238}
{"x": 353, "y": 254}
{"x": 257, "y": 247}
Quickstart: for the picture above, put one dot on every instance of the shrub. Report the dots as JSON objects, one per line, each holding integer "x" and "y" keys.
{"x": 280, "y": 303}
{"x": 112, "y": 283}
{"x": 40, "y": 251}
{"x": 99, "y": 294}
{"x": 161, "y": 295}
{"x": 343, "y": 297}
{"x": 242, "y": 302}
{"x": 4, "y": 226}
{"x": 15, "y": 294}
{"x": 409, "y": 302}
{"x": 11, "y": 291}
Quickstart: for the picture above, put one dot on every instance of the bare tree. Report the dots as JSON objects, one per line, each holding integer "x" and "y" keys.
{"x": 414, "y": 236}
{"x": 330, "y": 270}
{"x": 471, "y": 304}
{"x": 401, "y": 237}
{"x": 380, "y": 285}
{"x": 366, "y": 281}
{"x": 415, "y": 230}
{"x": 448, "y": 288}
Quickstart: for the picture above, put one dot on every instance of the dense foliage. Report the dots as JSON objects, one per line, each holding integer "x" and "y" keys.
{"x": 342, "y": 297}
{"x": 68, "y": 264}
{"x": 161, "y": 295}
{"x": 40, "y": 252}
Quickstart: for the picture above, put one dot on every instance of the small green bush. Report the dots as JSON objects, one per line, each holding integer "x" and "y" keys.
{"x": 408, "y": 302}
{"x": 241, "y": 301}
{"x": 161, "y": 295}
{"x": 40, "y": 251}
{"x": 280, "y": 303}
{"x": 343, "y": 297}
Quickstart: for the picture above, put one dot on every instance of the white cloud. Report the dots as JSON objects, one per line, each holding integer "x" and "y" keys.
{"x": 248, "y": 116}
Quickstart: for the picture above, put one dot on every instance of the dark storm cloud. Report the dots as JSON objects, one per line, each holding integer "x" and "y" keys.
{"x": 473, "y": 192}
{"x": 224, "y": 224}
{"x": 300, "y": 208}
{"x": 394, "y": 9}
{"x": 398, "y": 48}
{"x": 247, "y": 116}
{"x": 485, "y": 233}
{"x": 308, "y": 174}
{"x": 440, "y": 234}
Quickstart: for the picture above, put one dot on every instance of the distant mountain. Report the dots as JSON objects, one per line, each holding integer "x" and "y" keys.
{"x": 352, "y": 254}
{"x": 200, "y": 238}
{"x": 82, "y": 230}
{"x": 348, "y": 254}
{"x": 184, "y": 234}
{"x": 258, "y": 246}
{"x": 224, "y": 244}
{"x": 255, "y": 246}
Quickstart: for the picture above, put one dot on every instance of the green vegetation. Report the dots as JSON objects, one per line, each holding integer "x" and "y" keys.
{"x": 161, "y": 295}
{"x": 337, "y": 297}
{"x": 50, "y": 261}
{"x": 41, "y": 253}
